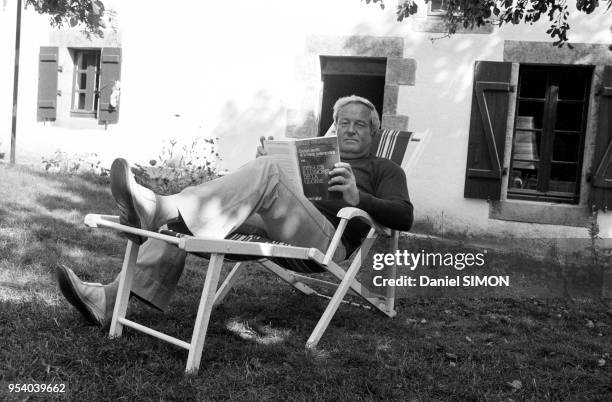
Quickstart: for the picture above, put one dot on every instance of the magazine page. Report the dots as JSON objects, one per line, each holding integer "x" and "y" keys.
{"x": 285, "y": 154}
{"x": 316, "y": 157}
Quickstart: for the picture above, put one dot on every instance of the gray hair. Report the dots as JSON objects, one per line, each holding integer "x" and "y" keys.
{"x": 340, "y": 103}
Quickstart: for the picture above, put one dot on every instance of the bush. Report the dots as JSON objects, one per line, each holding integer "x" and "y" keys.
{"x": 173, "y": 170}
{"x": 87, "y": 165}
{"x": 62, "y": 162}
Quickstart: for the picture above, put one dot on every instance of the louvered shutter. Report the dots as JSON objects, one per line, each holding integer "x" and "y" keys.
{"x": 110, "y": 73}
{"x": 490, "y": 102}
{"x": 46, "y": 108}
{"x": 601, "y": 191}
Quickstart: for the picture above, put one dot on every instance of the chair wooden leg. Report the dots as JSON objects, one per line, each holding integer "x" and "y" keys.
{"x": 126, "y": 278}
{"x": 229, "y": 282}
{"x": 393, "y": 245}
{"x": 334, "y": 303}
{"x": 204, "y": 310}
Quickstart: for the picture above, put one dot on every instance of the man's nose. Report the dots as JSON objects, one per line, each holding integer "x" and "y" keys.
{"x": 352, "y": 128}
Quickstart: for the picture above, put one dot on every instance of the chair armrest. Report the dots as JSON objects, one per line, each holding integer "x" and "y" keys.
{"x": 345, "y": 215}
{"x": 112, "y": 222}
{"x": 349, "y": 213}
{"x": 92, "y": 220}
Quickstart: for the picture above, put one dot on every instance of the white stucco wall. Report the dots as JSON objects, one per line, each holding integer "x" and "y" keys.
{"x": 227, "y": 70}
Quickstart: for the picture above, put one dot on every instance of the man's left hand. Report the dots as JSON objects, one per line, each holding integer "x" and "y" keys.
{"x": 343, "y": 180}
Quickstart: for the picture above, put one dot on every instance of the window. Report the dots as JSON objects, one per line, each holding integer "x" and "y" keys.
{"x": 344, "y": 76}
{"x": 85, "y": 85}
{"x": 549, "y": 131}
{"x": 437, "y": 7}
{"x": 92, "y": 89}
{"x": 547, "y": 159}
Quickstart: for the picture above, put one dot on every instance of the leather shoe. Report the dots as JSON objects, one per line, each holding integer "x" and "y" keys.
{"x": 88, "y": 298}
{"x": 134, "y": 201}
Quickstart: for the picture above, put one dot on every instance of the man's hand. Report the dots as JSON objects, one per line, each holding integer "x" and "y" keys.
{"x": 261, "y": 151}
{"x": 343, "y": 180}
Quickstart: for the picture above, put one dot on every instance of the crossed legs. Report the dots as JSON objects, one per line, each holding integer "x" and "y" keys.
{"x": 213, "y": 209}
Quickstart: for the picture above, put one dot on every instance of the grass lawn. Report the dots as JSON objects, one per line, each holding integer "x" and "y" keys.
{"x": 435, "y": 349}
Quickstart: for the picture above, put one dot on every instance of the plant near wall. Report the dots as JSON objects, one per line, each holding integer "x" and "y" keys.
{"x": 178, "y": 167}
{"x": 83, "y": 163}
{"x": 476, "y": 13}
{"x": 86, "y": 165}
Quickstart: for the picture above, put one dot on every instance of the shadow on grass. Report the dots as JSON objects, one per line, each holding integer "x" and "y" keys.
{"x": 435, "y": 348}
{"x": 41, "y": 226}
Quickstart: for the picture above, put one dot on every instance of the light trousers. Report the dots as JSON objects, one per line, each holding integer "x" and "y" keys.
{"x": 257, "y": 197}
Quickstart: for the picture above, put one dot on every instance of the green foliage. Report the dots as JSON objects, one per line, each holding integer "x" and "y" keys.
{"x": 476, "y": 13}
{"x": 90, "y": 13}
{"x": 174, "y": 169}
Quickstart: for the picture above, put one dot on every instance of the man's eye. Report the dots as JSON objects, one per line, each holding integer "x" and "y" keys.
{"x": 343, "y": 124}
{"x": 361, "y": 125}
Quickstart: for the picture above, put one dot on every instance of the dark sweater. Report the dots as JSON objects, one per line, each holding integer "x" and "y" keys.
{"x": 382, "y": 193}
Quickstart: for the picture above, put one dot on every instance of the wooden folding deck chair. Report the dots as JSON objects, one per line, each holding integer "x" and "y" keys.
{"x": 288, "y": 262}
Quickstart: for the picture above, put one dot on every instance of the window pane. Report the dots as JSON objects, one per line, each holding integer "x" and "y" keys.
{"x": 526, "y": 179}
{"x": 81, "y": 103}
{"x": 438, "y": 5}
{"x": 530, "y": 114}
{"x": 566, "y": 147}
{"x": 533, "y": 84}
{"x": 525, "y": 149}
{"x": 573, "y": 87}
{"x": 84, "y": 61}
{"x": 569, "y": 116}
{"x": 562, "y": 178}
{"x": 82, "y": 81}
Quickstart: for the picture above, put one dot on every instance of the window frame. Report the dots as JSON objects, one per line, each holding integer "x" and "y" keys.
{"x": 435, "y": 13}
{"x": 92, "y": 91}
{"x": 548, "y": 131}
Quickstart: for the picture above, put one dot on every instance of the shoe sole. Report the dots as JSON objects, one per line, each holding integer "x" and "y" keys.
{"x": 70, "y": 293}
{"x": 120, "y": 176}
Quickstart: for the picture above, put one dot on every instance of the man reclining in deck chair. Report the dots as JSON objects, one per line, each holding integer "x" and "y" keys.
{"x": 259, "y": 194}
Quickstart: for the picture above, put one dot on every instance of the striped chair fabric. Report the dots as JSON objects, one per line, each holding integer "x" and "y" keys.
{"x": 302, "y": 266}
{"x": 391, "y": 144}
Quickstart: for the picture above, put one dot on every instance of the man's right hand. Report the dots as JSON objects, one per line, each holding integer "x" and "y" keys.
{"x": 261, "y": 151}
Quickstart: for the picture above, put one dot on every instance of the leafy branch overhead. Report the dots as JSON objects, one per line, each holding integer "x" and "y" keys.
{"x": 89, "y": 13}
{"x": 471, "y": 14}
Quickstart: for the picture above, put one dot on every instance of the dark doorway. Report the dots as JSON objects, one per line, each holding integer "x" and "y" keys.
{"x": 343, "y": 76}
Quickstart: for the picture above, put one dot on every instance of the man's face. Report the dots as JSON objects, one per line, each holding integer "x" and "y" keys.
{"x": 354, "y": 130}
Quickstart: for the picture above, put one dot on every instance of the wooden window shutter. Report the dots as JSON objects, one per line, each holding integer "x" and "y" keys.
{"x": 490, "y": 102}
{"x": 110, "y": 74}
{"x": 46, "y": 108}
{"x": 601, "y": 191}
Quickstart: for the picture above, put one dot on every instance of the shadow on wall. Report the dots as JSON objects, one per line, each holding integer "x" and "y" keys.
{"x": 242, "y": 125}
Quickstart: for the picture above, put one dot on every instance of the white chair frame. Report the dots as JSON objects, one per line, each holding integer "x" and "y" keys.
{"x": 213, "y": 295}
